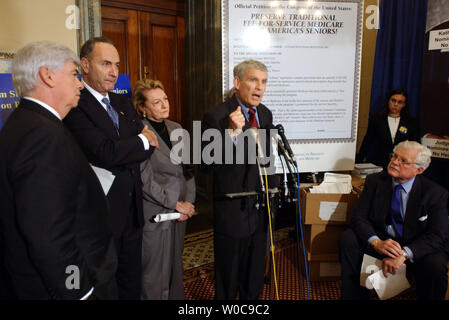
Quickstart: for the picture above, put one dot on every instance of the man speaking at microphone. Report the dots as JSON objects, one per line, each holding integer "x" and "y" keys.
{"x": 240, "y": 229}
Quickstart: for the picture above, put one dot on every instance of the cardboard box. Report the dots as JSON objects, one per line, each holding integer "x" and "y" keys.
{"x": 322, "y": 267}
{"x": 326, "y": 208}
{"x": 322, "y": 238}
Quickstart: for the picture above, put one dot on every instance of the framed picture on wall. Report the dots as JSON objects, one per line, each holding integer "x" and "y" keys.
{"x": 6, "y": 62}
{"x": 8, "y": 96}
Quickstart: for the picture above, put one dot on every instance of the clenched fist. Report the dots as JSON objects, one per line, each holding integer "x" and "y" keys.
{"x": 236, "y": 119}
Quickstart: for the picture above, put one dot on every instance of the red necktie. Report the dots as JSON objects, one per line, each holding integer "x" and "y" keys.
{"x": 252, "y": 118}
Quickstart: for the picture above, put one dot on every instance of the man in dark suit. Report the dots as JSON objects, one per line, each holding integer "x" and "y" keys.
{"x": 55, "y": 234}
{"x": 112, "y": 137}
{"x": 401, "y": 217}
{"x": 240, "y": 229}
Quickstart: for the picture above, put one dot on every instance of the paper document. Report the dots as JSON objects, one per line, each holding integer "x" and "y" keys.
{"x": 334, "y": 183}
{"x": 166, "y": 216}
{"x": 333, "y": 211}
{"x": 106, "y": 178}
{"x": 386, "y": 288}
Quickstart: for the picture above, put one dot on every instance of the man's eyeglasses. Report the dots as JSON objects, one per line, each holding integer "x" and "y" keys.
{"x": 402, "y": 161}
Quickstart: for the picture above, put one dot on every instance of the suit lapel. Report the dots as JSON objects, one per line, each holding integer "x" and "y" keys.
{"x": 413, "y": 206}
{"x": 384, "y": 194}
{"x": 386, "y": 130}
{"x": 98, "y": 113}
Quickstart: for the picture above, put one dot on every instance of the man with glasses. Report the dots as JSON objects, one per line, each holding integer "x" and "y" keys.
{"x": 401, "y": 217}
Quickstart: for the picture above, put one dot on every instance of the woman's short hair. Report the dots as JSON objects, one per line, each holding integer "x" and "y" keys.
{"x": 139, "y": 89}
{"x": 423, "y": 156}
{"x": 29, "y": 59}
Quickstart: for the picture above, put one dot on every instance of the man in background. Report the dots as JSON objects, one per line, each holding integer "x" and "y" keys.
{"x": 400, "y": 217}
{"x": 240, "y": 229}
{"x": 112, "y": 137}
{"x": 54, "y": 230}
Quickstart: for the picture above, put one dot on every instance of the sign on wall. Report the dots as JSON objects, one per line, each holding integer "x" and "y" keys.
{"x": 312, "y": 50}
{"x": 9, "y": 99}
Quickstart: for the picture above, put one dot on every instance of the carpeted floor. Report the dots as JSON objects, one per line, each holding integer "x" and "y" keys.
{"x": 291, "y": 285}
{"x": 198, "y": 261}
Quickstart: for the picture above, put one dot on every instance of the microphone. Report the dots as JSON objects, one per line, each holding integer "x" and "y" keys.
{"x": 281, "y": 132}
{"x": 254, "y": 132}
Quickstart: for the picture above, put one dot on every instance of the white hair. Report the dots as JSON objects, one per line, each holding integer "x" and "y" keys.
{"x": 423, "y": 156}
{"x": 29, "y": 59}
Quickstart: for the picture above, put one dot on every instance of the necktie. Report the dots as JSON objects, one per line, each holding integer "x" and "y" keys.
{"x": 252, "y": 118}
{"x": 395, "y": 210}
{"x": 112, "y": 113}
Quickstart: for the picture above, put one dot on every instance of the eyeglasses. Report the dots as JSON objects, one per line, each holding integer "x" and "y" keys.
{"x": 402, "y": 161}
{"x": 398, "y": 101}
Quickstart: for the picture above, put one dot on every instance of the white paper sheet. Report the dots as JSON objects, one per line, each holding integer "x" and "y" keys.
{"x": 334, "y": 183}
{"x": 106, "y": 178}
{"x": 333, "y": 211}
{"x": 166, "y": 216}
{"x": 370, "y": 265}
{"x": 386, "y": 288}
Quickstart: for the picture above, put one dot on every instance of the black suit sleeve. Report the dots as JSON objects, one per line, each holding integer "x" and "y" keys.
{"x": 46, "y": 166}
{"x": 434, "y": 237}
{"x": 360, "y": 221}
{"x": 100, "y": 148}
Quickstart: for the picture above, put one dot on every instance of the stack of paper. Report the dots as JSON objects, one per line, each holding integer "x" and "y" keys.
{"x": 334, "y": 183}
{"x": 372, "y": 277}
{"x": 361, "y": 170}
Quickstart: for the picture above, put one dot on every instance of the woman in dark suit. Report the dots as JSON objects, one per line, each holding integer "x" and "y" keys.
{"x": 393, "y": 124}
{"x": 168, "y": 187}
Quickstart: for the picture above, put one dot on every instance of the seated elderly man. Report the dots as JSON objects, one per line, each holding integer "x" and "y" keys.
{"x": 401, "y": 217}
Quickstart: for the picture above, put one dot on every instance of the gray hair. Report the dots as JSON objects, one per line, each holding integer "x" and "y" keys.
{"x": 423, "y": 157}
{"x": 29, "y": 59}
{"x": 239, "y": 70}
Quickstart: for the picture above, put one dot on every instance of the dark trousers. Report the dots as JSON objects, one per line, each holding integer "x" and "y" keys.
{"x": 129, "y": 253}
{"x": 239, "y": 266}
{"x": 429, "y": 272}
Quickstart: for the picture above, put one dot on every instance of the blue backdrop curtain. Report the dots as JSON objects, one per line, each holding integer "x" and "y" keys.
{"x": 399, "y": 52}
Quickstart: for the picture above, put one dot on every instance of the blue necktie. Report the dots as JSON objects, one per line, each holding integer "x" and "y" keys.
{"x": 112, "y": 113}
{"x": 395, "y": 210}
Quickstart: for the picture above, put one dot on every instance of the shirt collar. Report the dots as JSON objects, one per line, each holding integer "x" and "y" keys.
{"x": 406, "y": 185}
{"x": 245, "y": 108}
{"x": 46, "y": 106}
{"x": 94, "y": 92}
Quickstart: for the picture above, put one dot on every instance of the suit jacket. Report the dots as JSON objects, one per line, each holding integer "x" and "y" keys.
{"x": 53, "y": 212}
{"x": 96, "y": 134}
{"x": 236, "y": 217}
{"x": 164, "y": 183}
{"x": 378, "y": 133}
{"x": 426, "y": 222}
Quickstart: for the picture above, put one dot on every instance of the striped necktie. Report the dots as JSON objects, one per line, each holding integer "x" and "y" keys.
{"x": 252, "y": 118}
{"x": 112, "y": 114}
{"x": 395, "y": 210}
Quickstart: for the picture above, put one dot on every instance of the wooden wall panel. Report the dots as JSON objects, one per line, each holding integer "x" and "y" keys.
{"x": 151, "y": 45}
{"x": 121, "y": 26}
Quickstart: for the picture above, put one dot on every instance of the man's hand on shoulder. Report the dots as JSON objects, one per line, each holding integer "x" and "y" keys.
{"x": 151, "y": 137}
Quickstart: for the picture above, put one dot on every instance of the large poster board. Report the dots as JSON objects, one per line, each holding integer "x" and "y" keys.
{"x": 312, "y": 50}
